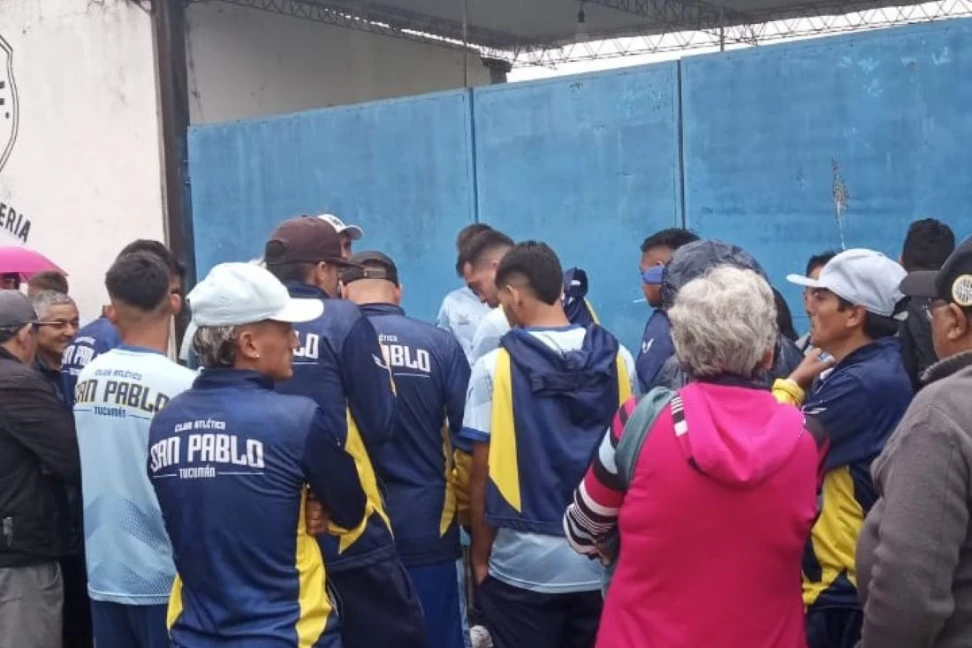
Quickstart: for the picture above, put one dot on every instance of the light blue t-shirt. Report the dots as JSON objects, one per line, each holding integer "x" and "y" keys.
{"x": 533, "y": 561}
{"x": 488, "y": 334}
{"x": 460, "y": 313}
{"x": 127, "y": 549}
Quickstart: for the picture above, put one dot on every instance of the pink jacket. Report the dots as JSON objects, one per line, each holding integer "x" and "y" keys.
{"x": 713, "y": 524}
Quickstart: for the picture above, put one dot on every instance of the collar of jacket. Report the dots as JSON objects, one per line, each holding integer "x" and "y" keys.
{"x": 729, "y": 380}
{"x": 239, "y": 378}
{"x": 44, "y": 370}
{"x": 871, "y": 350}
{"x": 948, "y": 366}
{"x": 381, "y": 309}
{"x": 305, "y": 291}
{"x": 9, "y": 356}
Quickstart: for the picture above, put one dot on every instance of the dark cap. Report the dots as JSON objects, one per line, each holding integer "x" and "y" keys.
{"x": 303, "y": 239}
{"x": 15, "y": 309}
{"x": 953, "y": 283}
{"x": 370, "y": 265}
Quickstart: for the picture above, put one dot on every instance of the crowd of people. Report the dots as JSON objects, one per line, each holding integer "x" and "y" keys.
{"x": 329, "y": 471}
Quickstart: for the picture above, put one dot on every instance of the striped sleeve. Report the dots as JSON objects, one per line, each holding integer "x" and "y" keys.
{"x": 593, "y": 515}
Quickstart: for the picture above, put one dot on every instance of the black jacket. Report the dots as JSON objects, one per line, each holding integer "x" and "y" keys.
{"x": 917, "y": 347}
{"x": 38, "y": 457}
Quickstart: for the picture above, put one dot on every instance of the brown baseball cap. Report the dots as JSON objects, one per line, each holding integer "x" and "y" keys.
{"x": 304, "y": 240}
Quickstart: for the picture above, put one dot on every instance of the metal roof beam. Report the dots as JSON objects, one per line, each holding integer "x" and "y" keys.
{"x": 689, "y": 15}
{"x": 338, "y": 17}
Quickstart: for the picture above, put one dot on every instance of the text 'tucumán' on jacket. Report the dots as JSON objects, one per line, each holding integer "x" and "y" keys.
{"x": 230, "y": 461}
{"x": 339, "y": 365}
{"x": 549, "y": 412}
{"x": 431, "y": 376}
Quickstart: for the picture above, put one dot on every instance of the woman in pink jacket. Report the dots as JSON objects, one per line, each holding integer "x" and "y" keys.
{"x": 715, "y": 508}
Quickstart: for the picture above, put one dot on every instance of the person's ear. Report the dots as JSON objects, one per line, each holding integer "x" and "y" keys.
{"x": 855, "y": 317}
{"x": 766, "y": 362}
{"x": 111, "y": 313}
{"x": 958, "y": 323}
{"x": 24, "y": 335}
{"x": 247, "y": 345}
{"x": 398, "y": 295}
{"x": 175, "y": 303}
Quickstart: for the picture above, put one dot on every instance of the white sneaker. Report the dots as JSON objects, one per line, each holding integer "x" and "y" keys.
{"x": 480, "y": 637}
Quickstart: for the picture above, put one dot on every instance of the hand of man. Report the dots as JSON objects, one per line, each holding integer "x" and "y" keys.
{"x": 811, "y": 367}
{"x": 315, "y": 517}
{"x": 480, "y": 571}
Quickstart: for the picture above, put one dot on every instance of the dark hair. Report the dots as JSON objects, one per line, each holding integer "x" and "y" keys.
{"x": 176, "y": 267}
{"x": 465, "y": 235}
{"x": 538, "y": 265}
{"x": 140, "y": 280}
{"x": 672, "y": 238}
{"x": 479, "y": 245}
{"x": 784, "y": 318}
{"x": 927, "y": 245}
{"x": 875, "y": 326}
{"x": 291, "y": 272}
{"x": 51, "y": 280}
{"x": 819, "y": 260}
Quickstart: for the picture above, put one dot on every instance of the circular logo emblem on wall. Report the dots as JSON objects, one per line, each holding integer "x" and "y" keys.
{"x": 962, "y": 290}
{"x": 9, "y": 105}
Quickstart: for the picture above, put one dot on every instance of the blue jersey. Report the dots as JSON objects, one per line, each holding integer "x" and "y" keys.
{"x": 100, "y": 336}
{"x": 229, "y": 460}
{"x": 431, "y": 375}
{"x": 340, "y": 366}
{"x": 127, "y": 551}
{"x": 656, "y": 348}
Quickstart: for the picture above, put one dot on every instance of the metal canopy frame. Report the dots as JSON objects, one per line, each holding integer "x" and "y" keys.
{"x": 677, "y": 25}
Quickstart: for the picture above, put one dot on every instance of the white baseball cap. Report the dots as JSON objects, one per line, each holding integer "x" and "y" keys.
{"x": 862, "y": 277}
{"x": 352, "y": 231}
{"x": 233, "y": 294}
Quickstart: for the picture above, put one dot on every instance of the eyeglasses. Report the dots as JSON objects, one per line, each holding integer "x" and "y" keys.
{"x": 929, "y": 308}
{"x": 61, "y": 323}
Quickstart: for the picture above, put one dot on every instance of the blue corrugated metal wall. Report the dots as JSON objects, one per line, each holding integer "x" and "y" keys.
{"x": 592, "y": 164}
{"x": 767, "y": 131}
{"x": 400, "y": 169}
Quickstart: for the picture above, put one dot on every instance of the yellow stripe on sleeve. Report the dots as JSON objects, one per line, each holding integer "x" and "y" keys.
{"x": 503, "y": 467}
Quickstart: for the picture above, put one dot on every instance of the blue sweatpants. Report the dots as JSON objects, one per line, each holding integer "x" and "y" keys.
{"x": 379, "y": 606}
{"x": 438, "y": 591}
{"x": 129, "y": 626}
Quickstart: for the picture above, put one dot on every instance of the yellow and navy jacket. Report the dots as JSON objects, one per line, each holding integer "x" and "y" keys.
{"x": 858, "y": 406}
{"x": 415, "y": 467}
{"x": 550, "y": 411}
{"x": 576, "y": 306}
{"x": 230, "y": 460}
{"x": 340, "y": 366}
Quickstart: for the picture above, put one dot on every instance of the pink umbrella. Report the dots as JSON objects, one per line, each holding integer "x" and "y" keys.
{"x": 24, "y": 261}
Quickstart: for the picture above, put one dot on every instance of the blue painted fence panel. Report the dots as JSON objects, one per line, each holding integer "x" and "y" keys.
{"x": 769, "y": 132}
{"x": 402, "y": 170}
{"x": 590, "y": 165}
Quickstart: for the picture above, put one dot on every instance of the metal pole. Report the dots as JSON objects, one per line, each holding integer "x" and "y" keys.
{"x": 465, "y": 43}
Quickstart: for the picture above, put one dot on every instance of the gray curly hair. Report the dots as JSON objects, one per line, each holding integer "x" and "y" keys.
{"x": 724, "y": 322}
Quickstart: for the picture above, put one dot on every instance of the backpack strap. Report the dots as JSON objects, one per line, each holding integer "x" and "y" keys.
{"x": 636, "y": 430}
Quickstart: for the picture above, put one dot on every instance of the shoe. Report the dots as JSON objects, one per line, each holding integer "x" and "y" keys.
{"x": 480, "y": 637}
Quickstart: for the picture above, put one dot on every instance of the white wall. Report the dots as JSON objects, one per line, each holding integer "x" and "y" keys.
{"x": 250, "y": 63}
{"x": 85, "y": 166}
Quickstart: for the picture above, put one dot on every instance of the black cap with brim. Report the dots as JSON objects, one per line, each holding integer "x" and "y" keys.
{"x": 15, "y": 310}
{"x": 370, "y": 265}
{"x": 953, "y": 283}
{"x": 922, "y": 283}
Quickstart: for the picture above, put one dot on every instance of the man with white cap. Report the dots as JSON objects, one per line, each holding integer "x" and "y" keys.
{"x": 348, "y": 233}
{"x": 230, "y": 461}
{"x": 853, "y": 306}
